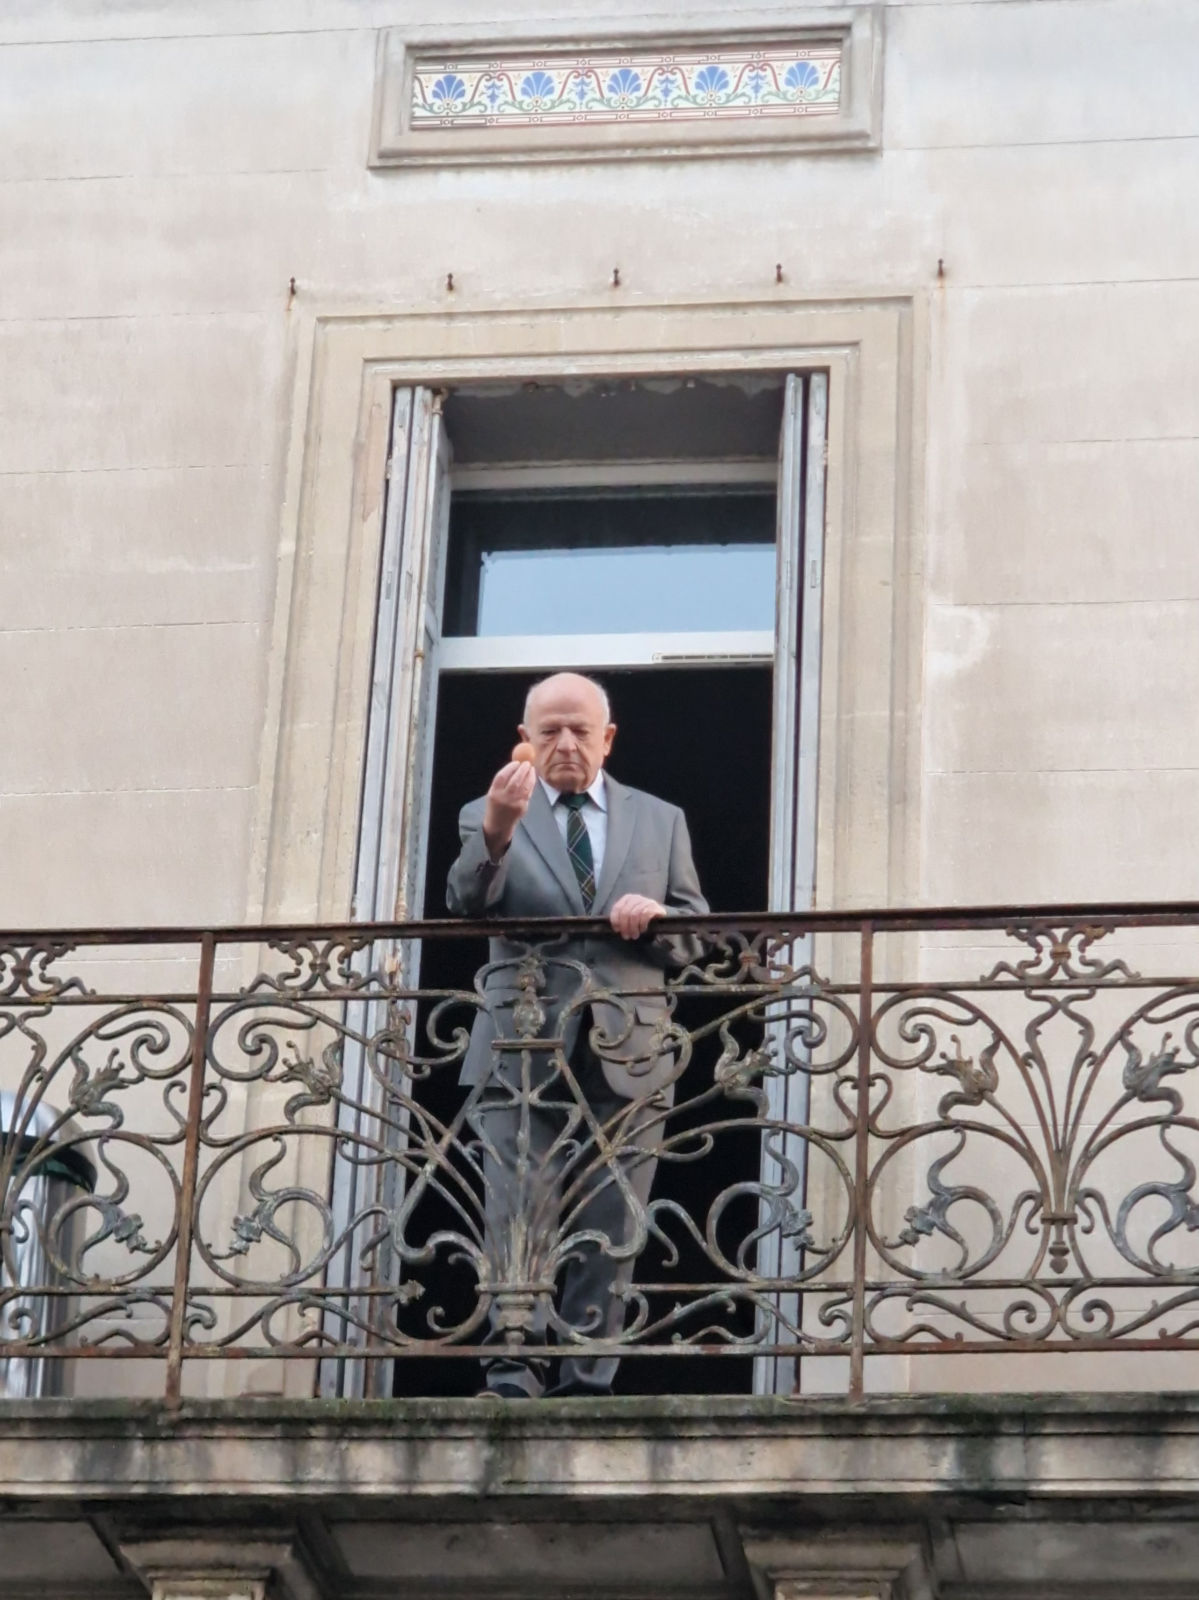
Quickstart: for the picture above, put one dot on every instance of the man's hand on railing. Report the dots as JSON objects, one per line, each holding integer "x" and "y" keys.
{"x": 632, "y": 914}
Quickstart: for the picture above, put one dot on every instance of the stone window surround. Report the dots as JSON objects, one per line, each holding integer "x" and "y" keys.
{"x": 856, "y": 125}
{"x": 320, "y": 659}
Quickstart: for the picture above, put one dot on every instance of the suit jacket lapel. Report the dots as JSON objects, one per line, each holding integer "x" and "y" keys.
{"x": 542, "y": 831}
{"x": 620, "y": 837}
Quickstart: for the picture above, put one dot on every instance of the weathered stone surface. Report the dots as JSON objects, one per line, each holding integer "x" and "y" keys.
{"x": 170, "y": 167}
{"x": 393, "y": 1451}
{"x": 722, "y": 1499}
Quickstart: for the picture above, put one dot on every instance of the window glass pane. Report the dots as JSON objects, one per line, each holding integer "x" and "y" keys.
{"x": 632, "y": 563}
{"x": 637, "y": 589}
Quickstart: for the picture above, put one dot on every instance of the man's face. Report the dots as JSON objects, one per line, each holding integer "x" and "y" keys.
{"x": 566, "y": 728}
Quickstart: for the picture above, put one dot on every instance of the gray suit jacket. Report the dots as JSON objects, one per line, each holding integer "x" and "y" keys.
{"x": 648, "y": 851}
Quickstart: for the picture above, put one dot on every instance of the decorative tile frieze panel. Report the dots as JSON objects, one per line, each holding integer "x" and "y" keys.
{"x": 464, "y": 100}
{"x": 536, "y": 91}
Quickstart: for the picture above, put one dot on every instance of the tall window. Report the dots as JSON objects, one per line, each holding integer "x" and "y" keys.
{"x": 665, "y": 535}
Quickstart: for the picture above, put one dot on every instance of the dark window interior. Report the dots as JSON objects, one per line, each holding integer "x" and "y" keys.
{"x": 731, "y": 417}
{"x": 700, "y": 737}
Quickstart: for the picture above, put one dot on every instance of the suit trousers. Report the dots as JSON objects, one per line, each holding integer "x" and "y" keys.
{"x": 568, "y": 1185}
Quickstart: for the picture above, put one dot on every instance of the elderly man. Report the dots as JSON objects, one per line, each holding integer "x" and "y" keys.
{"x": 557, "y": 836}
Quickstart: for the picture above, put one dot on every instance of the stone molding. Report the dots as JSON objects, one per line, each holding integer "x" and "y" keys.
{"x": 723, "y": 1506}
{"x": 856, "y": 30}
{"x": 229, "y": 1453}
{"x": 845, "y": 1563}
{"x": 961, "y": 1498}
{"x": 310, "y": 790}
{"x": 197, "y": 1563}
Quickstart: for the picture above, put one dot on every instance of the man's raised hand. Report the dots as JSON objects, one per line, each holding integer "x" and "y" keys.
{"x": 507, "y": 801}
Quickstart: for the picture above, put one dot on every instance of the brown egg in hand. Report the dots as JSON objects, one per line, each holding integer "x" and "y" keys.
{"x": 524, "y": 752}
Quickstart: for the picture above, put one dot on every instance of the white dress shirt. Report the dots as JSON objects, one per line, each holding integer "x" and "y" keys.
{"x": 595, "y": 816}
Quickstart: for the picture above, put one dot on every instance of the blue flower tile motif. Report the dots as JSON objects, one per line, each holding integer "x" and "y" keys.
{"x": 447, "y": 94}
{"x": 623, "y": 88}
{"x": 801, "y": 78}
{"x": 711, "y": 84}
{"x": 537, "y": 91}
{"x": 743, "y": 80}
{"x": 667, "y": 85}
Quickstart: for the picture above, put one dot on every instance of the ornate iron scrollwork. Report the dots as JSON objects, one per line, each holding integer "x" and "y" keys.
{"x": 844, "y": 1165}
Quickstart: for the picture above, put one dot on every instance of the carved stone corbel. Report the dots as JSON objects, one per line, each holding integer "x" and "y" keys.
{"x": 840, "y": 1564}
{"x": 213, "y": 1564}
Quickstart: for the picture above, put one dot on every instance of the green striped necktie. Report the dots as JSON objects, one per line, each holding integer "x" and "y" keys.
{"x": 578, "y": 845}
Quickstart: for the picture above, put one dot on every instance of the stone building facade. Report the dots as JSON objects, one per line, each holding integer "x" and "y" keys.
{"x": 943, "y": 250}
{"x": 1013, "y": 225}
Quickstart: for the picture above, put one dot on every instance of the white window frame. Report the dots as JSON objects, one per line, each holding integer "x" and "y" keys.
{"x": 397, "y": 773}
{"x": 393, "y": 824}
{"x": 596, "y": 651}
{"x": 795, "y": 766}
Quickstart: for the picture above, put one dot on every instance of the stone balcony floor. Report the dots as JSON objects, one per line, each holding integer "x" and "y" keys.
{"x": 964, "y": 1498}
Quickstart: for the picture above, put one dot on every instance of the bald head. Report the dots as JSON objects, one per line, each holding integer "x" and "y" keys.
{"x": 570, "y": 682}
{"x": 568, "y": 723}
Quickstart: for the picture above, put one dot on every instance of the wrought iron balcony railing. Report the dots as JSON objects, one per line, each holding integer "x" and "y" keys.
{"x": 877, "y": 1135}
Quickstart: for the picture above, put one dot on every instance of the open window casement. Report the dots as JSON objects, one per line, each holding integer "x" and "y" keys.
{"x": 392, "y": 836}
{"x": 797, "y": 642}
{"x": 793, "y": 821}
{"x": 404, "y": 675}
{"x": 410, "y": 653}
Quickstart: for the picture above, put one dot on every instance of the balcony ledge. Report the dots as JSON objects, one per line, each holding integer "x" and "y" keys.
{"x": 662, "y": 1450}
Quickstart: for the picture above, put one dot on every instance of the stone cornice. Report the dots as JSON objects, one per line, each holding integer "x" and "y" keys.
{"x": 694, "y": 1449}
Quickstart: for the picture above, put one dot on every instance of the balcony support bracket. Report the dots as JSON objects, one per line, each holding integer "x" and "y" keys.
{"x": 219, "y": 1564}
{"x": 840, "y": 1564}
